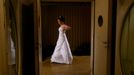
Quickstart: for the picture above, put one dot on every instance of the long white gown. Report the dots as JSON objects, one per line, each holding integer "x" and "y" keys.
{"x": 11, "y": 54}
{"x": 62, "y": 52}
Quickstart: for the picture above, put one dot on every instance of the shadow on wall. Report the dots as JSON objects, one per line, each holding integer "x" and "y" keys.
{"x": 82, "y": 50}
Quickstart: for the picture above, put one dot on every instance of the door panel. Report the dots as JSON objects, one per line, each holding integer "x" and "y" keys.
{"x": 101, "y": 37}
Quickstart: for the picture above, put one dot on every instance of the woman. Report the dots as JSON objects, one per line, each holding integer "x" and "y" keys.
{"x": 62, "y": 52}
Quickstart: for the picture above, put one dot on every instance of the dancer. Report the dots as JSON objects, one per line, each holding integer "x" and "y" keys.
{"x": 62, "y": 52}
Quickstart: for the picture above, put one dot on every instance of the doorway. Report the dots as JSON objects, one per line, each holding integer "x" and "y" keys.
{"x": 78, "y": 16}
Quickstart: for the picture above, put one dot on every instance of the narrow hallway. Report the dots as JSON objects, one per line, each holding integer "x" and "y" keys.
{"x": 80, "y": 66}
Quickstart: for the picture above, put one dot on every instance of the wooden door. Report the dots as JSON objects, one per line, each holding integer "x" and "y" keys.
{"x": 102, "y": 37}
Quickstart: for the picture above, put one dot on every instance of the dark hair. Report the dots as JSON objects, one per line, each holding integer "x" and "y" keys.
{"x": 61, "y": 18}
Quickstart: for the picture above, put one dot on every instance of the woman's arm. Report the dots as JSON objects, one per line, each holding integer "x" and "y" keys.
{"x": 65, "y": 27}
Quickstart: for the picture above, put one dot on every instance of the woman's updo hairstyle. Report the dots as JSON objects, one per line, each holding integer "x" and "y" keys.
{"x": 61, "y": 18}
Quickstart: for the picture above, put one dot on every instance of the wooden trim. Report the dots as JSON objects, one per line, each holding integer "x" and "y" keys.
{"x": 37, "y": 32}
{"x": 92, "y": 36}
{"x": 19, "y": 35}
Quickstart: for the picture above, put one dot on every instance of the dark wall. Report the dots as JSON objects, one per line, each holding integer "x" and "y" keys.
{"x": 28, "y": 58}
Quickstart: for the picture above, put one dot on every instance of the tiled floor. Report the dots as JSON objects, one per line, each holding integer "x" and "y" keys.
{"x": 80, "y": 66}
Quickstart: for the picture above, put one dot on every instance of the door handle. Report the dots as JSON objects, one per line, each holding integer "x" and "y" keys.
{"x": 105, "y": 43}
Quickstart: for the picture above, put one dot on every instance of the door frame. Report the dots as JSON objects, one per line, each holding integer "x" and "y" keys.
{"x": 92, "y": 22}
{"x": 38, "y": 39}
{"x": 3, "y": 40}
{"x": 37, "y": 36}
